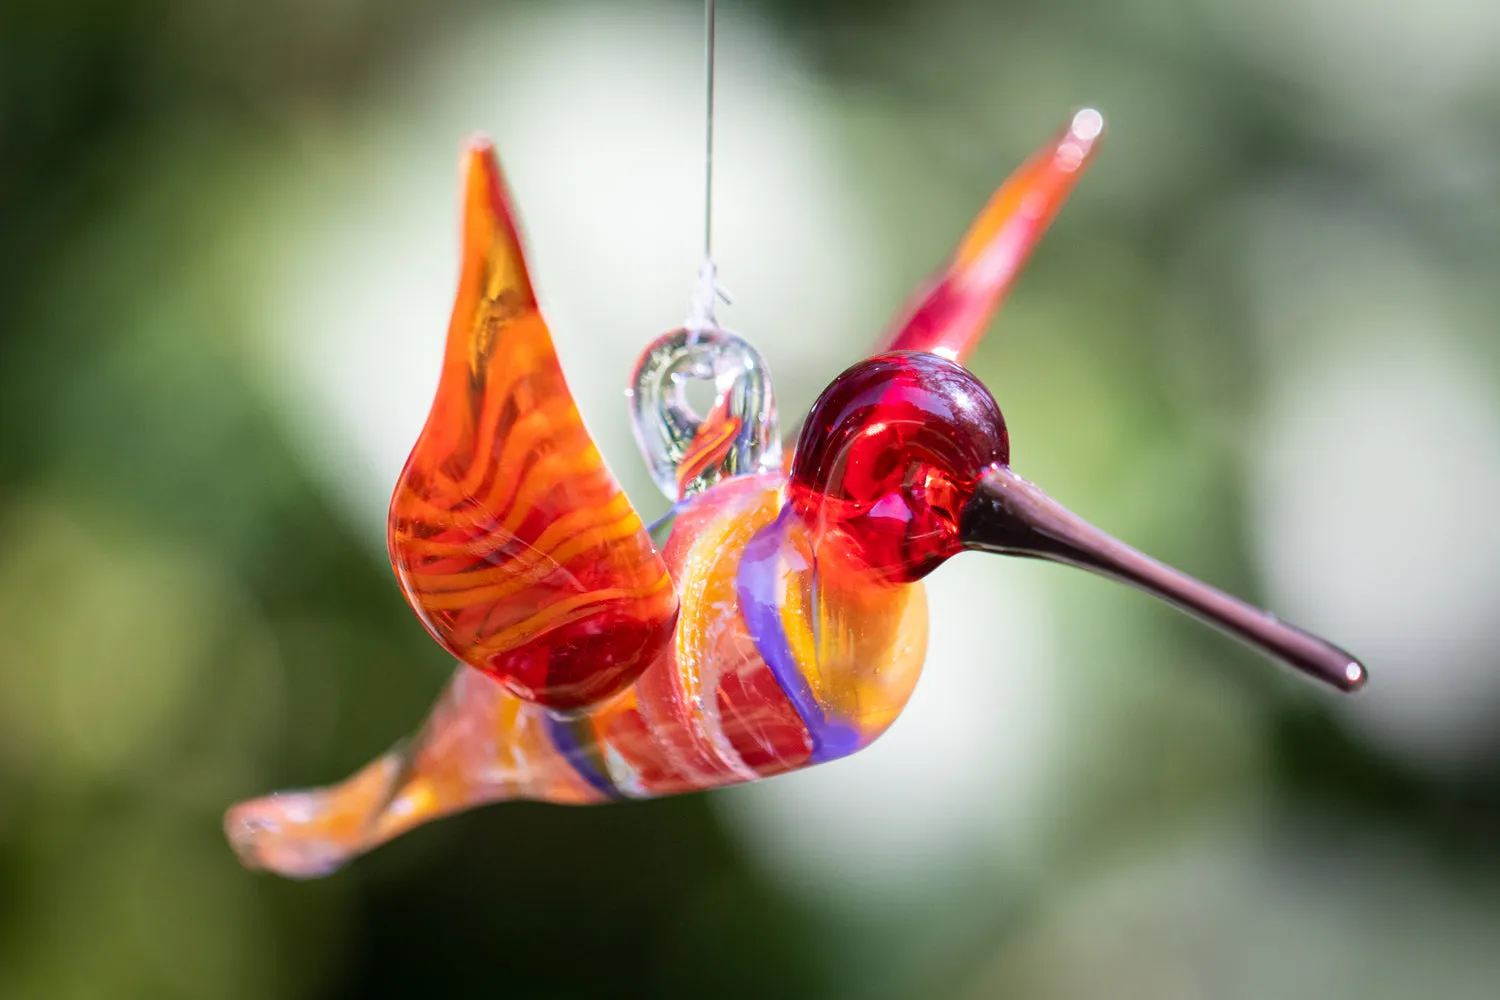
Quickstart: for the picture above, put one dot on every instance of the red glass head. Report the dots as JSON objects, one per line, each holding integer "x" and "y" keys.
{"x": 904, "y": 462}
{"x": 889, "y": 456}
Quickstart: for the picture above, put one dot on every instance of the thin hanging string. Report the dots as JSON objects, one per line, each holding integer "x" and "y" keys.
{"x": 708, "y": 131}
{"x": 708, "y": 292}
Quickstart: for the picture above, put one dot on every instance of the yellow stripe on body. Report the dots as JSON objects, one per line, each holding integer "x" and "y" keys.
{"x": 709, "y": 625}
{"x": 859, "y": 643}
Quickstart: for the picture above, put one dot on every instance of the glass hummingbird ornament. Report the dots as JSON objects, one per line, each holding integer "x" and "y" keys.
{"x": 771, "y": 620}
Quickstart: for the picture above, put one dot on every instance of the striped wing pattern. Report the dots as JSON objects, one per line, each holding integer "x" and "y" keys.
{"x": 511, "y": 540}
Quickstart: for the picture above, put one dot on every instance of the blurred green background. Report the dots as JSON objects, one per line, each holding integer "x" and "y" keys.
{"x": 1260, "y": 343}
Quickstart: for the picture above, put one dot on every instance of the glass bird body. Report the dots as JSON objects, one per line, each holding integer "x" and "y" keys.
{"x": 770, "y": 621}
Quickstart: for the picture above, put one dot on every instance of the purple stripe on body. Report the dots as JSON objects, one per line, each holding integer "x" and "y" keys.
{"x": 756, "y": 584}
{"x": 565, "y": 738}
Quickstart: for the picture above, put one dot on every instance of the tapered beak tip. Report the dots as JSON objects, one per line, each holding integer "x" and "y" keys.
{"x": 1355, "y": 676}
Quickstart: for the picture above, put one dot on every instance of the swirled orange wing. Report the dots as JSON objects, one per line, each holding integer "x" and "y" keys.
{"x": 510, "y": 538}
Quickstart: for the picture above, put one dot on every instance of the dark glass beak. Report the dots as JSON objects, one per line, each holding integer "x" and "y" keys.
{"x": 1009, "y": 515}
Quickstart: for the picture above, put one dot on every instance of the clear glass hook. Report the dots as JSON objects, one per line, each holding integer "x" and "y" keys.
{"x": 687, "y": 452}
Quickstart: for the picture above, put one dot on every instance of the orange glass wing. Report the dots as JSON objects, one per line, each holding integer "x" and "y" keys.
{"x": 510, "y": 538}
{"x": 950, "y": 317}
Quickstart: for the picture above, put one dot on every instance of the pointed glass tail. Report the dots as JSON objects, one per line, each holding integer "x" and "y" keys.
{"x": 1009, "y": 515}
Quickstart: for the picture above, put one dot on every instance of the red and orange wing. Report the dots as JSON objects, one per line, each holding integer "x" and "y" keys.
{"x": 510, "y": 538}
{"x": 953, "y": 312}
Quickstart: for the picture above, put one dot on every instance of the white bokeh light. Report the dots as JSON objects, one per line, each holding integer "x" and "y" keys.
{"x": 1375, "y": 463}
{"x": 1375, "y": 504}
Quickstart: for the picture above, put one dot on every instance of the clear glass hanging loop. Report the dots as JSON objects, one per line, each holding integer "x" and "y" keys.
{"x": 687, "y": 452}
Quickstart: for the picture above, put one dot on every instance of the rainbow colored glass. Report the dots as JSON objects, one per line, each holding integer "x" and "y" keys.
{"x": 770, "y": 621}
